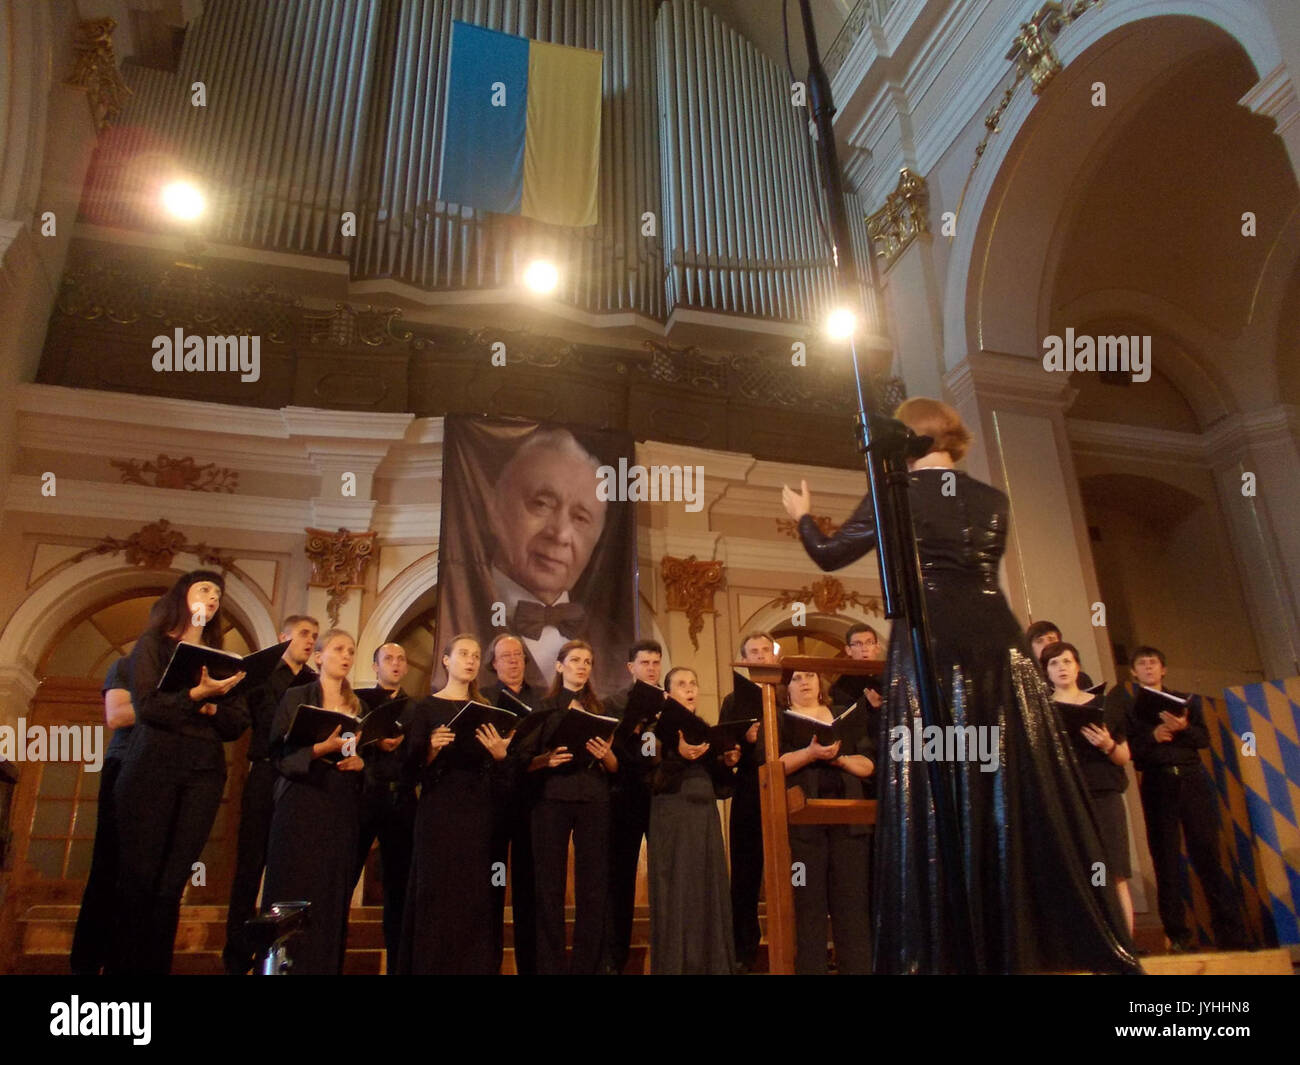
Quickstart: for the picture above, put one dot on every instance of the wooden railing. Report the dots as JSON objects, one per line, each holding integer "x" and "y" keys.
{"x": 781, "y": 807}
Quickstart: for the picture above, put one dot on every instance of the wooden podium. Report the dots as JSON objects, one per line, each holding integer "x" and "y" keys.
{"x": 782, "y": 808}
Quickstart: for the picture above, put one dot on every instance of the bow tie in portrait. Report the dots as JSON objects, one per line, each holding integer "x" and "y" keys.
{"x": 531, "y": 618}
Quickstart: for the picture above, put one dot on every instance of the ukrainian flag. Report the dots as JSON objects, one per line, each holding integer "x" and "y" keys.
{"x": 522, "y": 127}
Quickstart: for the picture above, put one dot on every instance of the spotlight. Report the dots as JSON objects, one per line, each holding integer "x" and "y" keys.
{"x": 541, "y": 277}
{"x": 183, "y": 200}
{"x": 841, "y": 323}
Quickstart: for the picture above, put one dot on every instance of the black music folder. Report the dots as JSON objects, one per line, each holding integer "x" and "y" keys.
{"x": 644, "y": 704}
{"x": 579, "y": 726}
{"x": 188, "y": 660}
{"x": 315, "y": 724}
{"x": 472, "y": 716}
{"x": 802, "y": 729}
{"x": 1149, "y": 702}
{"x": 1075, "y": 715}
{"x": 384, "y": 722}
{"x": 676, "y": 721}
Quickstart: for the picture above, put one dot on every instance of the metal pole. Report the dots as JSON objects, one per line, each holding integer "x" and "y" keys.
{"x": 898, "y": 559}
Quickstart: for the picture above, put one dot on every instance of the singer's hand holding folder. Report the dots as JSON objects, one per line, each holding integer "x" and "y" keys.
{"x": 189, "y": 659}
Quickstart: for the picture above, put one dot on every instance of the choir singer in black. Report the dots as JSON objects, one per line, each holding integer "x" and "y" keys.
{"x": 258, "y": 800}
{"x": 173, "y": 773}
{"x": 388, "y": 795}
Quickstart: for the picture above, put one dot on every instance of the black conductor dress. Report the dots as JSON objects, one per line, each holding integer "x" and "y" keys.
{"x": 1028, "y": 833}
{"x": 448, "y": 926}
{"x": 312, "y": 849}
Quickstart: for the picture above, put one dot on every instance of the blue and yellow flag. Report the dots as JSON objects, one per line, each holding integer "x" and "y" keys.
{"x": 522, "y": 129}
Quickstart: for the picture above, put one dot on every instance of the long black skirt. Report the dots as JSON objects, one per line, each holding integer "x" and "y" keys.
{"x": 1028, "y": 837}
{"x": 690, "y": 895}
{"x": 312, "y": 855}
{"x": 448, "y": 924}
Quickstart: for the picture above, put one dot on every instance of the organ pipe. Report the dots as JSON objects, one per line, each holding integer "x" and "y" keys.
{"x": 316, "y": 107}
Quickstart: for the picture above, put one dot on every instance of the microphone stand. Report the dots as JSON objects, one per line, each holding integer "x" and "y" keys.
{"x": 884, "y": 443}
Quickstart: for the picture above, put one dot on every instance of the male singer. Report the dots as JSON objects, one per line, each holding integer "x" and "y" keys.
{"x": 257, "y": 805}
{"x": 387, "y": 797}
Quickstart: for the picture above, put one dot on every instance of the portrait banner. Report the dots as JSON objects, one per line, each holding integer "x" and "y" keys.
{"x": 529, "y": 545}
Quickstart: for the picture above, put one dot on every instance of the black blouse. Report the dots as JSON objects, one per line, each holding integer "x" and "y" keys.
{"x": 582, "y": 779}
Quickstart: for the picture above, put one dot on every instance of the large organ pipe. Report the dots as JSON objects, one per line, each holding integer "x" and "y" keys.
{"x": 316, "y": 107}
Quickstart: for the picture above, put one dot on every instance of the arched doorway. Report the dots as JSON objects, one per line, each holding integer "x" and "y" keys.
{"x": 56, "y": 801}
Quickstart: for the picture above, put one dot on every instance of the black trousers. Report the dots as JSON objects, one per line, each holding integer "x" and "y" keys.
{"x": 745, "y": 835}
{"x": 1185, "y": 799}
{"x": 629, "y": 825}
{"x": 553, "y": 822}
{"x": 92, "y": 939}
{"x": 512, "y": 843}
{"x": 165, "y": 810}
{"x": 835, "y": 886}
{"x": 256, "y": 807}
{"x": 388, "y": 815}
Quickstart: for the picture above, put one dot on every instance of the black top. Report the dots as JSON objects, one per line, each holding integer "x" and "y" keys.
{"x": 821, "y": 780}
{"x": 1150, "y": 753}
{"x": 747, "y": 767}
{"x": 868, "y": 725}
{"x": 499, "y": 695}
{"x": 961, "y": 543}
{"x": 176, "y": 712}
{"x": 263, "y": 701}
{"x": 635, "y": 764}
{"x": 848, "y": 689}
{"x": 672, "y": 770}
{"x": 387, "y": 767}
{"x": 1099, "y": 772}
{"x": 581, "y": 780}
{"x": 422, "y": 719}
{"x": 296, "y": 763}
{"x": 117, "y": 677}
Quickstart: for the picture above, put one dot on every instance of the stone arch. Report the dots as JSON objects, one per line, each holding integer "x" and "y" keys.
{"x": 967, "y": 287}
{"x": 400, "y": 595}
{"x": 1203, "y": 382}
{"x": 68, "y": 593}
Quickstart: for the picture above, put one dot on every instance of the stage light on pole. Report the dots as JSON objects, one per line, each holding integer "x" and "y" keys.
{"x": 183, "y": 201}
{"x": 541, "y": 277}
{"x": 841, "y": 323}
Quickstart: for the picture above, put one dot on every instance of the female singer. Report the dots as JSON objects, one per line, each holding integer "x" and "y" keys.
{"x": 1029, "y": 841}
{"x": 1102, "y": 750}
{"x": 573, "y": 799}
{"x": 312, "y": 850}
{"x": 448, "y": 924}
{"x": 690, "y": 895}
{"x": 173, "y": 773}
{"x": 835, "y": 858}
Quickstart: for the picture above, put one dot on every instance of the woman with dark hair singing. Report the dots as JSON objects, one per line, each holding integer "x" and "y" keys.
{"x": 1028, "y": 836}
{"x": 173, "y": 773}
{"x": 1101, "y": 745}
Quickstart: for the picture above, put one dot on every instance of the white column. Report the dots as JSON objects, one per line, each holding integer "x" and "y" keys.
{"x": 1257, "y": 453}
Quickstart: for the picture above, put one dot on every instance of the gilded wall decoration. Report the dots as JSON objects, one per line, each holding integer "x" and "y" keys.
{"x": 95, "y": 70}
{"x": 824, "y": 522}
{"x": 183, "y": 473}
{"x": 903, "y": 218}
{"x": 1033, "y": 52}
{"x": 829, "y": 596}
{"x": 691, "y": 585}
{"x": 153, "y": 546}
{"x": 338, "y": 563}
